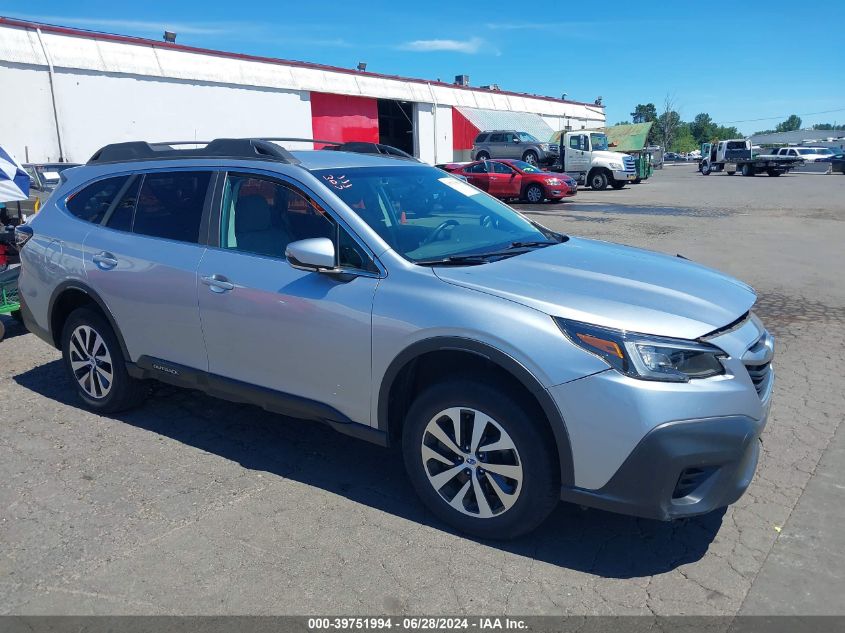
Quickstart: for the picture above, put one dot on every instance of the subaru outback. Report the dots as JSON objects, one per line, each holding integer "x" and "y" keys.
{"x": 514, "y": 366}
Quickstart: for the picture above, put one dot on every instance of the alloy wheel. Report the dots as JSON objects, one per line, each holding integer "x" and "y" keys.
{"x": 534, "y": 194}
{"x": 91, "y": 362}
{"x": 472, "y": 462}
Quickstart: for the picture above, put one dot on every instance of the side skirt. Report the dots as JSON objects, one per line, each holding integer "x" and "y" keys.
{"x": 233, "y": 390}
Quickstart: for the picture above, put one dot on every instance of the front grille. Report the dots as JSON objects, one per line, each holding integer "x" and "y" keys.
{"x": 554, "y": 148}
{"x": 759, "y": 375}
{"x": 690, "y": 479}
{"x": 630, "y": 164}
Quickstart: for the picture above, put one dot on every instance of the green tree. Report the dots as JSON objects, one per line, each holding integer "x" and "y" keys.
{"x": 722, "y": 133}
{"x": 702, "y": 128}
{"x": 824, "y": 126}
{"x": 792, "y": 123}
{"x": 684, "y": 140}
{"x": 645, "y": 113}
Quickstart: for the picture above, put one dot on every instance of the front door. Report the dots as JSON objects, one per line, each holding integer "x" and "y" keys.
{"x": 143, "y": 263}
{"x": 305, "y": 334}
{"x": 578, "y": 153}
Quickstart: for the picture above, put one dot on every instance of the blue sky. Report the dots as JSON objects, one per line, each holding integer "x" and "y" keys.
{"x": 627, "y": 52}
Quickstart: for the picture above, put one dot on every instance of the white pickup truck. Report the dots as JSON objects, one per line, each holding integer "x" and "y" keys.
{"x": 584, "y": 156}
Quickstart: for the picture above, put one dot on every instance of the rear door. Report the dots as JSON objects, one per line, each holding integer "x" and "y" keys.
{"x": 505, "y": 182}
{"x": 300, "y": 333}
{"x": 478, "y": 175}
{"x": 496, "y": 143}
{"x": 143, "y": 263}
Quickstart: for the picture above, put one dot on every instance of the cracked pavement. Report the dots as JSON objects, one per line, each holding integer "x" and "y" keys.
{"x": 193, "y": 505}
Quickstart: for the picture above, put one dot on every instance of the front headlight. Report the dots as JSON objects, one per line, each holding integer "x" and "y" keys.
{"x": 644, "y": 356}
{"x": 544, "y": 147}
{"x": 616, "y": 166}
{"x": 553, "y": 181}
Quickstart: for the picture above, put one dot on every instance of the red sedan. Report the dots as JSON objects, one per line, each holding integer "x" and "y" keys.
{"x": 516, "y": 179}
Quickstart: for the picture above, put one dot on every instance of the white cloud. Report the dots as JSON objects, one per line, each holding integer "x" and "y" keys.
{"x": 470, "y": 46}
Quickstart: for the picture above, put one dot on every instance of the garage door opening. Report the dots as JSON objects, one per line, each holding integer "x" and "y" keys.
{"x": 395, "y": 124}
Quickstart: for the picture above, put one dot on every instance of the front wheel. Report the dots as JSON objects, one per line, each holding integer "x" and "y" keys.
{"x": 531, "y": 158}
{"x": 534, "y": 194}
{"x": 705, "y": 169}
{"x": 95, "y": 364}
{"x": 479, "y": 461}
{"x": 598, "y": 180}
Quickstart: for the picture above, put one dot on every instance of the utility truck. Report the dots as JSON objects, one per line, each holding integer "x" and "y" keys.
{"x": 735, "y": 155}
{"x": 584, "y": 156}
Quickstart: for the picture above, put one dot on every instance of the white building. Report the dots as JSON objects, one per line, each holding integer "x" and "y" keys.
{"x": 67, "y": 92}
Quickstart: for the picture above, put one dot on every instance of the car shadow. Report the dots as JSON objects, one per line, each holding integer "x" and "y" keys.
{"x": 12, "y": 327}
{"x": 591, "y": 541}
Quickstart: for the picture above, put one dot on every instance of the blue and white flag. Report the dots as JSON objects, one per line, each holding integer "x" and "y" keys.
{"x": 14, "y": 181}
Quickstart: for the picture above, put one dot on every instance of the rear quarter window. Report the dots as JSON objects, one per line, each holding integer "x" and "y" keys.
{"x": 92, "y": 202}
{"x": 481, "y": 137}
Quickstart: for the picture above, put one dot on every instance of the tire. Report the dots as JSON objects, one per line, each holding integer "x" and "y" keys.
{"x": 704, "y": 168}
{"x": 531, "y": 157}
{"x": 730, "y": 173}
{"x": 618, "y": 184}
{"x": 2, "y": 330}
{"x": 482, "y": 156}
{"x": 87, "y": 336}
{"x": 17, "y": 315}
{"x": 598, "y": 180}
{"x": 535, "y": 487}
{"x": 637, "y": 181}
{"x": 747, "y": 170}
{"x": 773, "y": 172}
{"x": 534, "y": 194}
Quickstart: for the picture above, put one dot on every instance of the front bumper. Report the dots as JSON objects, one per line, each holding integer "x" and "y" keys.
{"x": 625, "y": 176}
{"x": 681, "y": 469}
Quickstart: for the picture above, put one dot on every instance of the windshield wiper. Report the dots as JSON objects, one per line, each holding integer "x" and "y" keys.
{"x": 483, "y": 258}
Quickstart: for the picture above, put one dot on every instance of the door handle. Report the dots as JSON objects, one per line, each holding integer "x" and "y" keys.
{"x": 105, "y": 260}
{"x": 218, "y": 283}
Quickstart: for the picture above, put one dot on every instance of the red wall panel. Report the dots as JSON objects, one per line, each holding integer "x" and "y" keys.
{"x": 341, "y": 118}
{"x": 463, "y": 132}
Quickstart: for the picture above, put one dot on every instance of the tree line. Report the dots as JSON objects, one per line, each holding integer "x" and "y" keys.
{"x": 673, "y": 133}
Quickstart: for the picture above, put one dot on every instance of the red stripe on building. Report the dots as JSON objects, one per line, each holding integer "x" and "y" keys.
{"x": 463, "y": 132}
{"x": 342, "y": 118}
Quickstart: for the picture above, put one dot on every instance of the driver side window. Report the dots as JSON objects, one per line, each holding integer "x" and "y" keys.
{"x": 262, "y": 216}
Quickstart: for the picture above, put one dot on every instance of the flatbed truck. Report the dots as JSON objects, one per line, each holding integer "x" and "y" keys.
{"x": 735, "y": 155}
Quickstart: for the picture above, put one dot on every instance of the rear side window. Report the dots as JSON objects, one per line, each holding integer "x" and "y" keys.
{"x": 497, "y": 138}
{"x": 92, "y": 202}
{"x": 124, "y": 211}
{"x": 170, "y": 205}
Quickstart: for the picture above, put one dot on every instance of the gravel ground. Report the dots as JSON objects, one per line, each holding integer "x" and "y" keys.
{"x": 193, "y": 505}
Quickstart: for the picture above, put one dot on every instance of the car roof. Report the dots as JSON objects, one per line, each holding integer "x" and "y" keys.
{"x": 320, "y": 159}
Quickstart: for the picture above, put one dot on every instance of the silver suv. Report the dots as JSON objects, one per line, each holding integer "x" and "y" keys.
{"x": 514, "y": 144}
{"x": 513, "y": 365}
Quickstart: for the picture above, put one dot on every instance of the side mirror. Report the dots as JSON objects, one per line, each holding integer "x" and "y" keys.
{"x": 316, "y": 254}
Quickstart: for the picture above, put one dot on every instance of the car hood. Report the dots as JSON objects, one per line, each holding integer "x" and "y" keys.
{"x": 613, "y": 286}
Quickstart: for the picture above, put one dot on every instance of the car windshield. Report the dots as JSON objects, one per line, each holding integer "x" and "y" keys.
{"x": 525, "y": 137}
{"x": 428, "y": 216}
{"x": 50, "y": 173}
{"x": 599, "y": 141}
{"x": 525, "y": 167}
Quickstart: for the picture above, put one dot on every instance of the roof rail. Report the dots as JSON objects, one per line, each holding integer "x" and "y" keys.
{"x": 241, "y": 148}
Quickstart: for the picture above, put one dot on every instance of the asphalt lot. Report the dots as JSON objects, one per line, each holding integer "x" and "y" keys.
{"x": 193, "y": 505}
